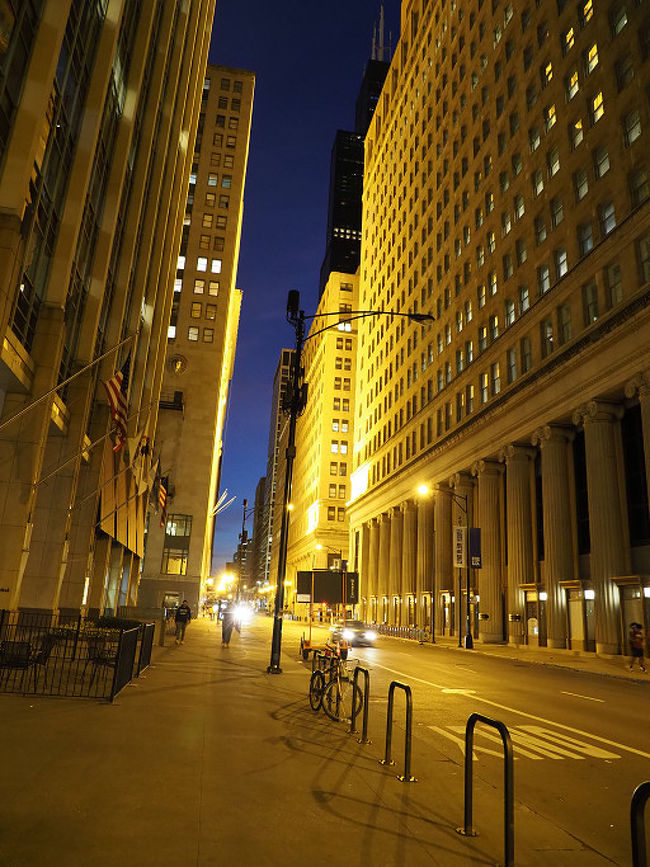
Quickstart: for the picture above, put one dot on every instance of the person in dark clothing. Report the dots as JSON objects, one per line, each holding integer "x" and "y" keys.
{"x": 228, "y": 623}
{"x": 636, "y": 640}
{"x": 182, "y": 618}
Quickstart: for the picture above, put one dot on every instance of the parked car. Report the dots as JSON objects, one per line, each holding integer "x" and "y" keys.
{"x": 355, "y": 632}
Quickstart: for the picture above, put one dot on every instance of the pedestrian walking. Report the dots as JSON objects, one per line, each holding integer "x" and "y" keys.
{"x": 228, "y": 623}
{"x": 182, "y": 618}
{"x": 636, "y": 639}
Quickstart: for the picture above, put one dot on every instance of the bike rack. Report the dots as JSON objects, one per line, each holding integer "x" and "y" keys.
{"x": 508, "y": 777}
{"x": 366, "y": 696}
{"x": 387, "y": 760}
{"x": 637, "y": 807}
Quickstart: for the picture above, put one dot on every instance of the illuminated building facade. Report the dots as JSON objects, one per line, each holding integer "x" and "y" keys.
{"x": 506, "y": 192}
{"x": 201, "y": 343}
{"x": 100, "y": 104}
{"x": 318, "y": 529}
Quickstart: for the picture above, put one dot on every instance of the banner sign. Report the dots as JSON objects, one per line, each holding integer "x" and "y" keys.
{"x": 475, "y": 548}
{"x": 459, "y": 546}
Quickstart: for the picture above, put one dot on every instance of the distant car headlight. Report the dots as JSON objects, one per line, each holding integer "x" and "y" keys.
{"x": 348, "y": 634}
{"x": 371, "y": 636}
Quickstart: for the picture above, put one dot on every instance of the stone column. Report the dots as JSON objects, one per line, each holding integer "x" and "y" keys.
{"x": 383, "y": 573}
{"x": 395, "y": 584}
{"x": 641, "y": 385}
{"x": 424, "y": 560}
{"x": 520, "y": 535}
{"x": 363, "y": 559}
{"x": 443, "y": 571}
{"x": 409, "y": 547}
{"x": 558, "y": 536}
{"x": 489, "y": 576}
{"x": 608, "y": 556}
{"x": 373, "y": 561}
{"x": 98, "y": 575}
{"x": 113, "y": 578}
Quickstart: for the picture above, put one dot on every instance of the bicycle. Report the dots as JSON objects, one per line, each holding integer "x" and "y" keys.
{"x": 341, "y": 693}
{"x": 321, "y": 662}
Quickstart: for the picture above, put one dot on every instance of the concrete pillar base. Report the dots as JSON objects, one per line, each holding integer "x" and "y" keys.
{"x": 556, "y": 643}
{"x": 609, "y": 649}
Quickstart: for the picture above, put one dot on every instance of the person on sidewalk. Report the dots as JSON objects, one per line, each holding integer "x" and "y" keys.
{"x": 636, "y": 640}
{"x": 228, "y": 623}
{"x": 182, "y": 618}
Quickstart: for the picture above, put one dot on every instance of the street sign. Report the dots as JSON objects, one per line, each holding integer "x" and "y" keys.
{"x": 459, "y": 546}
{"x": 475, "y": 547}
{"x": 329, "y": 586}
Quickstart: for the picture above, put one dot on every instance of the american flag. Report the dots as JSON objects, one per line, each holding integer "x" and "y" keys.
{"x": 163, "y": 484}
{"x": 116, "y": 389}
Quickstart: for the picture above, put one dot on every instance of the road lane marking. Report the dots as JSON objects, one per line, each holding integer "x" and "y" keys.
{"x": 586, "y": 697}
{"x": 458, "y": 691}
{"x": 526, "y": 714}
{"x": 460, "y": 743}
{"x": 529, "y": 742}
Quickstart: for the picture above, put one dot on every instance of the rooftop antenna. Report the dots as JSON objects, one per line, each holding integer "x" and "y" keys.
{"x": 373, "y": 53}
{"x": 381, "y": 33}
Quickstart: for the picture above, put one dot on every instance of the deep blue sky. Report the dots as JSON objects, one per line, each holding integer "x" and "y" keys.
{"x": 308, "y": 57}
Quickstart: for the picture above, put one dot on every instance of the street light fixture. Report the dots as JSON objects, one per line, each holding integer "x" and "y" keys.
{"x": 295, "y": 402}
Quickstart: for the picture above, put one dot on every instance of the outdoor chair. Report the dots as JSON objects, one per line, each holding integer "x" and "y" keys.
{"x": 40, "y": 658}
{"x": 14, "y": 656}
{"x": 101, "y": 655}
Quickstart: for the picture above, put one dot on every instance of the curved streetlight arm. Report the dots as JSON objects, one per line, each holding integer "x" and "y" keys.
{"x": 352, "y": 315}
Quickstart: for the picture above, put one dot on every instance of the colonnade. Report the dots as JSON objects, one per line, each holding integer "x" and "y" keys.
{"x": 523, "y": 498}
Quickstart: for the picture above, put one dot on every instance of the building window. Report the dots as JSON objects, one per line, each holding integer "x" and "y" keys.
{"x": 331, "y": 513}
{"x": 561, "y": 262}
{"x": 543, "y": 279}
{"x": 591, "y": 59}
{"x": 607, "y": 218}
{"x": 483, "y": 387}
{"x": 208, "y": 335}
{"x": 601, "y": 161}
{"x": 624, "y": 71}
{"x": 213, "y": 287}
{"x": 597, "y": 107}
{"x": 206, "y": 221}
{"x": 226, "y": 182}
{"x": 511, "y": 361}
{"x": 495, "y": 378}
{"x": 631, "y": 127}
{"x": 510, "y": 311}
{"x": 550, "y": 117}
{"x": 639, "y": 190}
{"x": 334, "y": 447}
{"x": 644, "y": 257}
{"x": 526, "y": 354}
{"x": 590, "y": 303}
{"x": 210, "y": 311}
{"x": 571, "y": 85}
{"x": 540, "y": 229}
{"x": 564, "y": 323}
{"x": 580, "y": 184}
{"x": 196, "y": 310}
{"x": 576, "y": 133}
{"x": 618, "y": 19}
{"x": 215, "y": 266}
{"x": 193, "y": 333}
{"x": 613, "y": 284}
{"x": 176, "y": 545}
{"x": 546, "y": 330}
{"x": 204, "y": 242}
{"x": 585, "y": 238}
{"x": 553, "y": 161}
{"x": 202, "y": 263}
{"x": 557, "y": 211}
{"x": 524, "y": 299}
{"x": 213, "y": 180}
{"x": 199, "y": 286}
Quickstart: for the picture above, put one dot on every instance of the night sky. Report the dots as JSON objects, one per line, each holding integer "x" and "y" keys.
{"x": 309, "y": 58}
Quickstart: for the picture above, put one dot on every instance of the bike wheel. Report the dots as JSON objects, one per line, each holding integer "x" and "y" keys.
{"x": 316, "y": 690}
{"x": 337, "y": 701}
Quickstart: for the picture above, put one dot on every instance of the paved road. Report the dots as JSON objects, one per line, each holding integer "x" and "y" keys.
{"x": 580, "y": 740}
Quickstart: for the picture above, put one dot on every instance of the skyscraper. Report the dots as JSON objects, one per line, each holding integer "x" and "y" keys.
{"x": 506, "y": 192}
{"x": 99, "y": 111}
{"x": 201, "y": 342}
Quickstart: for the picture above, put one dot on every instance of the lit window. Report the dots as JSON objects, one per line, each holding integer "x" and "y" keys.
{"x": 208, "y": 335}
{"x": 568, "y": 40}
{"x": 607, "y": 217}
{"x": 581, "y": 184}
{"x": 181, "y": 263}
{"x": 213, "y": 287}
{"x": 587, "y": 12}
{"x": 202, "y": 264}
{"x": 561, "y": 262}
{"x": 226, "y": 182}
{"x": 571, "y": 84}
{"x": 193, "y": 333}
{"x": 597, "y": 107}
{"x": 553, "y": 161}
{"x": 577, "y": 133}
{"x": 215, "y": 266}
{"x": 591, "y": 58}
{"x": 547, "y": 73}
{"x": 537, "y": 182}
{"x": 213, "y": 180}
{"x": 550, "y": 116}
{"x": 196, "y": 310}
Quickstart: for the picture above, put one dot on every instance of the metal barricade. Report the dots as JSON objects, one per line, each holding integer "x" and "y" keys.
{"x": 146, "y": 643}
{"x": 408, "y": 734}
{"x": 366, "y": 700}
{"x": 637, "y": 808}
{"x": 508, "y": 796}
{"x": 123, "y": 663}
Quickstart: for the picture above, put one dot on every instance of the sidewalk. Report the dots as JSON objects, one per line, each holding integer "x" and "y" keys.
{"x": 208, "y": 760}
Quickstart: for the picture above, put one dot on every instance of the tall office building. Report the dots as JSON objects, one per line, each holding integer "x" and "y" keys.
{"x": 259, "y": 534}
{"x": 274, "y": 486}
{"x": 343, "y": 239}
{"x": 201, "y": 343}
{"x": 318, "y": 529}
{"x": 100, "y": 103}
{"x": 506, "y": 192}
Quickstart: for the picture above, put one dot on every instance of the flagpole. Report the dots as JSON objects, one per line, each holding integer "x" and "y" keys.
{"x": 52, "y": 391}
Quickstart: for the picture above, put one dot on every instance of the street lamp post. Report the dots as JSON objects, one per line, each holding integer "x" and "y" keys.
{"x": 461, "y": 502}
{"x": 295, "y": 403}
